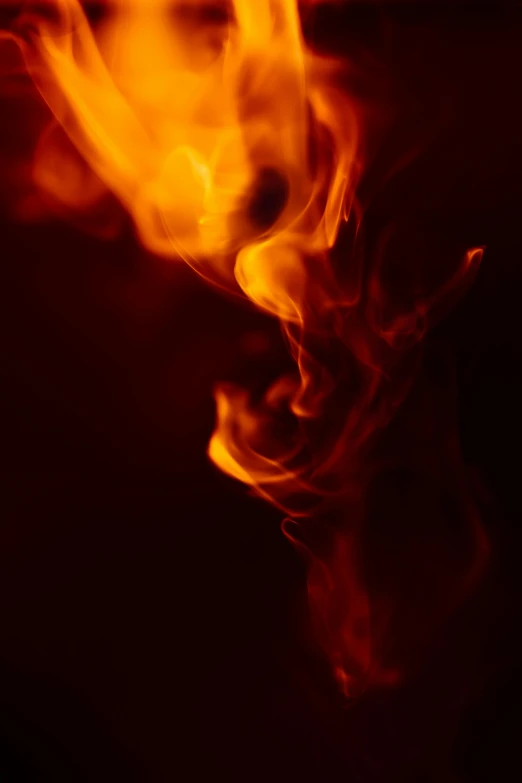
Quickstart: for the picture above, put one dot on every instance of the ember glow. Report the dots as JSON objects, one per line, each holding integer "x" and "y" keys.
{"x": 235, "y": 149}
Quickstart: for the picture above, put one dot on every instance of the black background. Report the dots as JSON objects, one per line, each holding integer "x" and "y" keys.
{"x": 153, "y": 617}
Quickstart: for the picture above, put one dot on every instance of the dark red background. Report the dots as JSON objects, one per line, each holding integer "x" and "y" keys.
{"x": 153, "y": 617}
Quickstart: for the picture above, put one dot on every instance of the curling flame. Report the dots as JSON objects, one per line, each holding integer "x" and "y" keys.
{"x": 232, "y": 148}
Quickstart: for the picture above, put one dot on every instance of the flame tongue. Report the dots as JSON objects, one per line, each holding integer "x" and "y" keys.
{"x": 230, "y": 146}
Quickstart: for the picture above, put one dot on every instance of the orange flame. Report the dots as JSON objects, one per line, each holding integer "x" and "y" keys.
{"x": 234, "y": 148}
{"x": 185, "y": 123}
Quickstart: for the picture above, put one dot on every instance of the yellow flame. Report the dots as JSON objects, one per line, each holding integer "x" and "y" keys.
{"x": 178, "y": 121}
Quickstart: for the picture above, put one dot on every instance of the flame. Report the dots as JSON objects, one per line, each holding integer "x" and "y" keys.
{"x": 186, "y": 124}
{"x": 234, "y": 148}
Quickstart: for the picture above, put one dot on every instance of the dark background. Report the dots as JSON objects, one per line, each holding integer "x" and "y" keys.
{"x": 153, "y": 617}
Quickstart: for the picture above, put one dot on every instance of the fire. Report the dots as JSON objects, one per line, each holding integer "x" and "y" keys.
{"x": 234, "y": 148}
{"x": 187, "y": 122}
